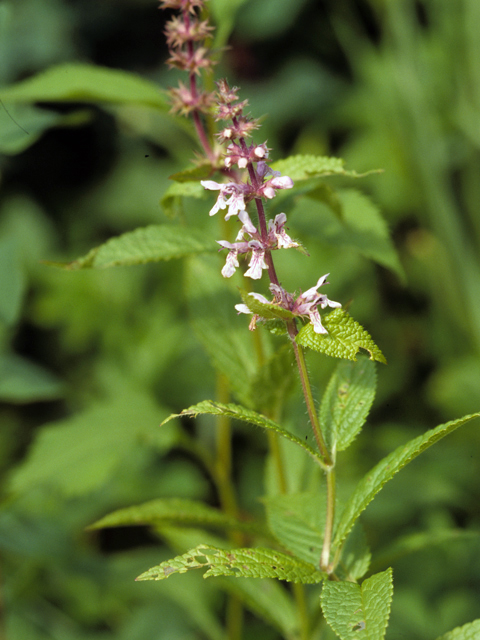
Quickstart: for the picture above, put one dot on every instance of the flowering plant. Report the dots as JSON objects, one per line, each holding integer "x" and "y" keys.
{"x": 308, "y": 537}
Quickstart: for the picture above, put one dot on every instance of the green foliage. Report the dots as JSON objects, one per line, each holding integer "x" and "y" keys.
{"x": 23, "y": 381}
{"x": 355, "y": 611}
{"x": 173, "y": 196}
{"x": 245, "y": 415}
{"x": 15, "y": 138}
{"x": 297, "y": 520}
{"x": 91, "y": 361}
{"x": 344, "y": 339}
{"x": 241, "y": 563}
{"x": 384, "y": 471}
{"x": 268, "y": 600}
{"x": 174, "y": 510}
{"x": 78, "y": 455}
{"x": 469, "y": 631}
{"x": 347, "y": 402}
{"x": 12, "y": 281}
{"x": 86, "y": 83}
{"x": 300, "y": 168}
{"x": 150, "y": 244}
{"x": 264, "y": 310}
{"x": 213, "y": 319}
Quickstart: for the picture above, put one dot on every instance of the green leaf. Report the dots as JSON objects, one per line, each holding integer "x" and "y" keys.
{"x": 346, "y": 402}
{"x": 356, "y": 556}
{"x": 274, "y": 381}
{"x": 237, "y": 412}
{"x": 418, "y": 541}
{"x": 217, "y": 325}
{"x": 173, "y": 510}
{"x": 146, "y": 244}
{"x": 365, "y": 230}
{"x": 22, "y": 381}
{"x": 268, "y": 311}
{"x": 78, "y": 454}
{"x": 304, "y": 167}
{"x": 344, "y": 339}
{"x": 241, "y": 563}
{"x": 355, "y": 612}
{"x": 384, "y": 471}
{"x": 194, "y": 175}
{"x": 86, "y": 83}
{"x": 469, "y": 631}
{"x": 172, "y": 197}
{"x": 23, "y": 125}
{"x": 268, "y": 600}
{"x": 297, "y": 520}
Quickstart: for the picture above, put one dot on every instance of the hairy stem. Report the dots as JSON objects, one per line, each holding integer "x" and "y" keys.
{"x": 327, "y": 540}
{"x": 307, "y": 393}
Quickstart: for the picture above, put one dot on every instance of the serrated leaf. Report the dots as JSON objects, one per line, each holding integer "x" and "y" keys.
{"x": 237, "y": 412}
{"x": 178, "y": 190}
{"x": 346, "y": 402}
{"x": 146, "y": 244}
{"x": 304, "y": 167}
{"x": 469, "y": 631}
{"x": 173, "y": 510}
{"x": 268, "y": 311}
{"x": 384, "y": 471}
{"x": 297, "y": 520}
{"x": 86, "y": 83}
{"x": 359, "y": 612}
{"x": 241, "y": 563}
{"x": 344, "y": 339}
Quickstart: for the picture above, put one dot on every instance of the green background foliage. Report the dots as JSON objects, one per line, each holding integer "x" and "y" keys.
{"x": 93, "y": 360}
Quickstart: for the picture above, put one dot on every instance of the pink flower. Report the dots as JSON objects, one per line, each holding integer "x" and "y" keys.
{"x": 306, "y": 303}
{"x": 234, "y": 192}
{"x": 232, "y": 258}
{"x": 277, "y": 235}
{"x": 257, "y": 261}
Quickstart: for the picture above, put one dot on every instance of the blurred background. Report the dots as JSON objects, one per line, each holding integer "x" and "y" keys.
{"x": 92, "y": 361}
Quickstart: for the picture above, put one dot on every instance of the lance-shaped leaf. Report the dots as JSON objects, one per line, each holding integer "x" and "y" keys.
{"x": 344, "y": 339}
{"x": 346, "y": 402}
{"x": 359, "y": 612}
{"x": 237, "y": 412}
{"x": 469, "y": 631}
{"x": 173, "y": 510}
{"x": 384, "y": 471}
{"x": 303, "y": 167}
{"x": 241, "y": 563}
{"x": 86, "y": 83}
{"x": 146, "y": 244}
